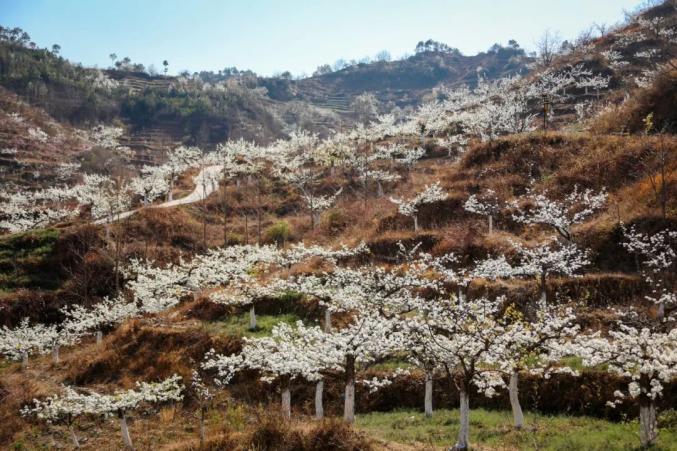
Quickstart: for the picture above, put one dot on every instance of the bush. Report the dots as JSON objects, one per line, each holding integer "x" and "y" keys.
{"x": 335, "y": 221}
{"x": 278, "y": 233}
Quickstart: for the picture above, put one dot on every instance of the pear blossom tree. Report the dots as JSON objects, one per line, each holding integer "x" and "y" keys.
{"x": 575, "y": 208}
{"x": 550, "y": 258}
{"x": 485, "y": 205}
{"x": 73, "y": 404}
{"x": 152, "y": 183}
{"x": 204, "y": 396}
{"x": 63, "y": 334}
{"x": 533, "y": 344}
{"x": 21, "y": 211}
{"x": 431, "y": 194}
{"x": 100, "y": 316}
{"x": 367, "y": 340}
{"x": 26, "y": 339}
{"x": 288, "y": 355}
{"x": 421, "y": 353}
{"x": 178, "y": 160}
{"x": 657, "y": 255}
{"x": 64, "y": 409}
{"x": 381, "y": 177}
{"x": 317, "y": 204}
{"x": 646, "y": 356}
{"x": 463, "y": 337}
{"x": 153, "y": 288}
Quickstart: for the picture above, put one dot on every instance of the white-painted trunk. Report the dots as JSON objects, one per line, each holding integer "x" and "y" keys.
{"x": 55, "y": 353}
{"x": 428, "y": 394}
{"x": 491, "y": 224}
{"x": 415, "y": 223}
{"x": 544, "y": 293}
{"x": 464, "y": 421}
{"x": 286, "y": 402}
{"x": 126, "y": 439}
{"x": 648, "y": 431}
{"x": 660, "y": 312}
{"x": 319, "y": 392}
{"x": 237, "y": 182}
{"x": 513, "y": 391}
{"x": 252, "y": 318}
{"x": 349, "y": 401}
{"x": 24, "y": 360}
{"x": 380, "y": 188}
{"x": 76, "y": 442}
{"x": 349, "y": 405}
{"x": 460, "y": 295}
{"x": 327, "y": 320}
{"x": 99, "y": 337}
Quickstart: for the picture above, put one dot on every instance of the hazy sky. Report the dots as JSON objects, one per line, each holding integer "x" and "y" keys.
{"x": 297, "y": 35}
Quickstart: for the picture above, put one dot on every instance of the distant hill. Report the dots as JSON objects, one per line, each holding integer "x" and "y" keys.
{"x": 405, "y": 82}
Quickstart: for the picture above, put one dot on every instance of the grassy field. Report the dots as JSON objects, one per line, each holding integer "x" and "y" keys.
{"x": 491, "y": 430}
{"x": 238, "y": 325}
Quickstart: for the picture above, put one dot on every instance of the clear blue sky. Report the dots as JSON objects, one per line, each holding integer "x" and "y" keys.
{"x": 270, "y": 36}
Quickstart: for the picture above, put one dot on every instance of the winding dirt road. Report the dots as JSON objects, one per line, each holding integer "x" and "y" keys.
{"x": 206, "y": 182}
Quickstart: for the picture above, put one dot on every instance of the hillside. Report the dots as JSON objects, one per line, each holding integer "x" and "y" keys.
{"x": 476, "y": 267}
{"x": 159, "y": 110}
{"x": 405, "y": 83}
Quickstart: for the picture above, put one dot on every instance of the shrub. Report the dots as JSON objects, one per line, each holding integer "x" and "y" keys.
{"x": 278, "y": 233}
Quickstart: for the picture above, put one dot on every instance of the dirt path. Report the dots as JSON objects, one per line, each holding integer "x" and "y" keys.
{"x": 206, "y": 182}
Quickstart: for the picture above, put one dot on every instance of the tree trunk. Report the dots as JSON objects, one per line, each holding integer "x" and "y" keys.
{"x": 327, "y": 320}
{"x": 660, "y": 312}
{"x": 286, "y": 401}
{"x": 74, "y": 437}
{"x": 648, "y": 431}
{"x": 544, "y": 292}
{"x": 429, "y": 394}
{"x": 202, "y": 426}
{"x": 513, "y": 390}
{"x": 224, "y": 207}
{"x": 170, "y": 194}
{"x": 99, "y": 337}
{"x": 461, "y": 297}
{"x": 491, "y": 224}
{"x": 127, "y": 440}
{"x": 415, "y": 223}
{"x": 380, "y": 188}
{"x": 55, "y": 353}
{"x": 24, "y": 360}
{"x": 462, "y": 441}
{"x": 319, "y": 408}
{"x": 252, "y": 318}
{"x": 349, "y": 402}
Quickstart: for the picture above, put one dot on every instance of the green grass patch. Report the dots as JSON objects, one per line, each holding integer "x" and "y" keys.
{"x": 493, "y": 429}
{"x": 238, "y": 325}
{"x": 391, "y": 365}
{"x": 23, "y": 260}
